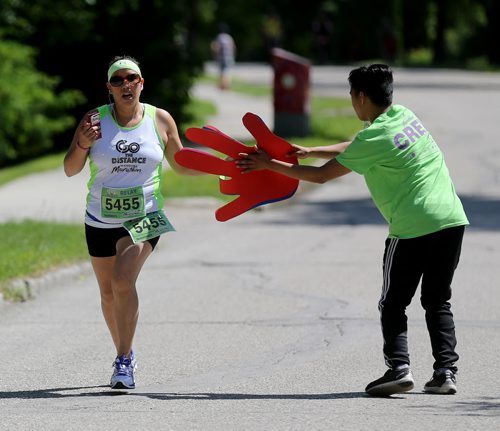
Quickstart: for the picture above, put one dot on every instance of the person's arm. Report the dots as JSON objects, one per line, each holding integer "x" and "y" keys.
{"x": 76, "y": 157}
{"x": 234, "y": 47}
{"x": 214, "y": 47}
{"x": 323, "y": 152}
{"x": 170, "y": 136}
{"x": 315, "y": 174}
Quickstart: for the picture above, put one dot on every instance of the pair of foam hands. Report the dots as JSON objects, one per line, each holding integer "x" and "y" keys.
{"x": 253, "y": 188}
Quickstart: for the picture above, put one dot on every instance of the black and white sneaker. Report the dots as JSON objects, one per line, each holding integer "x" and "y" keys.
{"x": 392, "y": 382}
{"x": 442, "y": 383}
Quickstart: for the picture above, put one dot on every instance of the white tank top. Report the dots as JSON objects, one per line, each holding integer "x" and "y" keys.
{"x": 125, "y": 171}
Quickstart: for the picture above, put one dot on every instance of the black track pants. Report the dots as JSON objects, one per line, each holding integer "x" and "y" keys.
{"x": 433, "y": 259}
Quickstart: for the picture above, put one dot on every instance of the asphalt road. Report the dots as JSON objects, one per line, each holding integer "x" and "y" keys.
{"x": 268, "y": 321}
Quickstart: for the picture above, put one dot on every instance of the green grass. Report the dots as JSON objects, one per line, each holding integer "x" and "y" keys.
{"x": 323, "y": 105}
{"x": 332, "y": 120}
{"x": 251, "y": 89}
{"x": 243, "y": 87}
{"x": 199, "y": 110}
{"x": 177, "y": 186}
{"x": 31, "y": 247}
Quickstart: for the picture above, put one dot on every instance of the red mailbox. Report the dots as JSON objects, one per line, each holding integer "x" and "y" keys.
{"x": 291, "y": 93}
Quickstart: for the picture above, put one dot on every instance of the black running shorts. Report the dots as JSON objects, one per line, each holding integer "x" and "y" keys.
{"x": 102, "y": 242}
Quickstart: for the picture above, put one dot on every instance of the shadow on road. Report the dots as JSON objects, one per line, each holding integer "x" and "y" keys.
{"x": 202, "y": 396}
{"x": 484, "y": 406}
{"x": 482, "y": 213}
{"x": 222, "y": 397}
{"x": 52, "y": 393}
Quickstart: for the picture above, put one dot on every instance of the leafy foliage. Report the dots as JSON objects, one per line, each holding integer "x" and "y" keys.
{"x": 31, "y": 112}
{"x": 76, "y": 39}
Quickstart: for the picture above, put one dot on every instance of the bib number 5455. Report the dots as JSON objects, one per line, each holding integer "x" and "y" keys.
{"x": 123, "y": 204}
{"x": 147, "y": 227}
{"x": 126, "y": 203}
{"x": 148, "y": 223}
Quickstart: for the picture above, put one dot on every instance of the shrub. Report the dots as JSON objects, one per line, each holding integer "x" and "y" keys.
{"x": 31, "y": 112}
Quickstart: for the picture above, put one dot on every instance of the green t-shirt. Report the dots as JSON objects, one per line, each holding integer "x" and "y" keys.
{"x": 405, "y": 172}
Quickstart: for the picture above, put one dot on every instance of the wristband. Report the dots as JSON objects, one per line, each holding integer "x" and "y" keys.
{"x": 82, "y": 148}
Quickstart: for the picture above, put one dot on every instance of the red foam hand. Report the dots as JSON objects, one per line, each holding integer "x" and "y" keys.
{"x": 254, "y": 188}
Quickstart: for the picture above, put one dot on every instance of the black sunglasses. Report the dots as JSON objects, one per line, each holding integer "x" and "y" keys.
{"x": 117, "y": 81}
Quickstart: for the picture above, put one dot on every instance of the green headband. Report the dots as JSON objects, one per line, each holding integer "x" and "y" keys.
{"x": 123, "y": 64}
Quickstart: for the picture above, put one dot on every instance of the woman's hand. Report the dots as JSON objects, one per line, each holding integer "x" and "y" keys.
{"x": 84, "y": 137}
{"x": 88, "y": 134}
{"x": 299, "y": 152}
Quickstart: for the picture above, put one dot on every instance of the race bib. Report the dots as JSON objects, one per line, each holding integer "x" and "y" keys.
{"x": 150, "y": 226}
{"x": 122, "y": 203}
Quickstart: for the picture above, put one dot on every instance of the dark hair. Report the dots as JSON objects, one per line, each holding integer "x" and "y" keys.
{"x": 375, "y": 81}
{"x": 122, "y": 57}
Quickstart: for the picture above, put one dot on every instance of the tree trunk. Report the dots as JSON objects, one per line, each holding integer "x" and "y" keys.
{"x": 439, "y": 44}
{"x": 493, "y": 31}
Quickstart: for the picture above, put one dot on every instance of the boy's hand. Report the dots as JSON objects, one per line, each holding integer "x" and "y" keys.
{"x": 255, "y": 161}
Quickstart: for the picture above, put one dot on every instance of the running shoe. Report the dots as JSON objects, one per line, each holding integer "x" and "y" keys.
{"x": 392, "y": 382}
{"x": 123, "y": 373}
{"x": 444, "y": 382}
{"x": 132, "y": 360}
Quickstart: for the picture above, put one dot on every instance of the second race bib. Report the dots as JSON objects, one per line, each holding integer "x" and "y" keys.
{"x": 147, "y": 227}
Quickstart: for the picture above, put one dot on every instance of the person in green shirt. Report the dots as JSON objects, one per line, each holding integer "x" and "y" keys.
{"x": 409, "y": 182}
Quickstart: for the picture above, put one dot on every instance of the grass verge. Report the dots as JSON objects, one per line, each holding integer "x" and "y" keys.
{"x": 30, "y": 248}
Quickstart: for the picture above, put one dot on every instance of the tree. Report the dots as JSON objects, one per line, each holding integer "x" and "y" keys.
{"x": 31, "y": 112}
{"x": 439, "y": 45}
{"x": 75, "y": 40}
{"x": 493, "y": 31}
